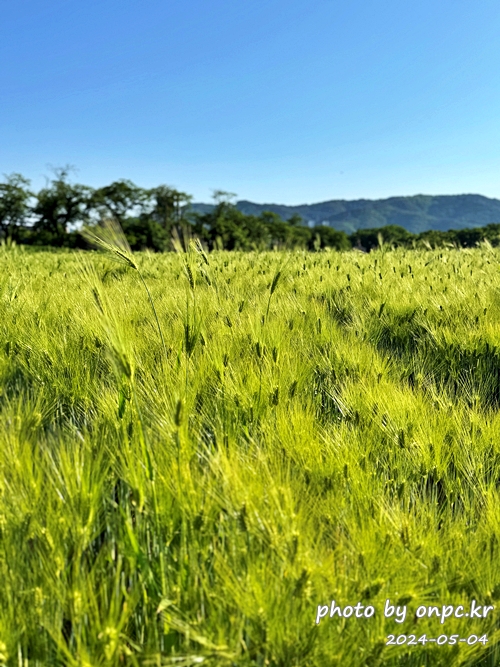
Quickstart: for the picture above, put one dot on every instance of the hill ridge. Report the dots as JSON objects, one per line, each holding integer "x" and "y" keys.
{"x": 416, "y": 213}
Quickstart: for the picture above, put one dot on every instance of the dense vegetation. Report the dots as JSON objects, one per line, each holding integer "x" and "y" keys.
{"x": 186, "y": 484}
{"x": 416, "y": 214}
{"x": 53, "y": 215}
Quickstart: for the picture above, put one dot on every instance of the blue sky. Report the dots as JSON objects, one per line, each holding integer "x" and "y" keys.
{"x": 277, "y": 101}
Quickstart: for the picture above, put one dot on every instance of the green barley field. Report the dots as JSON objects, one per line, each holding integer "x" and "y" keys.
{"x": 200, "y": 453}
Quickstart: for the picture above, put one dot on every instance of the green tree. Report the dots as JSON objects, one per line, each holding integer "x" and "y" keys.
{"x": 329, "y": 238}
{"x": 392, "y": 235}
{"x": 60, "y": 206}
{"x": 296, "y": 220}
{"x": 231, "y": 228}
{"x": 14, "y": 205}
{"x": 286, "y": 234}
{"x": 229, "y": 225}
{"x": 168, "y": 207}
{"x": 145, "y": 233}
{"x": 120, "y": 199}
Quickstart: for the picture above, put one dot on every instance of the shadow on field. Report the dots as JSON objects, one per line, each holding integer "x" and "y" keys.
{"x": 467, "y": 372}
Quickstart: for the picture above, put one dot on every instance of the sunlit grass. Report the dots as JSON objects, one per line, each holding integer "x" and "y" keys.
{"x": 187, "y": 472}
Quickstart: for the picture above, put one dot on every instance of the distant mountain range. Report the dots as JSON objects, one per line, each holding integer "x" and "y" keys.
{"x": 416, "y": 214}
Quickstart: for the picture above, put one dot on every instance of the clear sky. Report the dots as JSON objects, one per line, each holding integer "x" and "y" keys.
{"x": 283, "y": 101}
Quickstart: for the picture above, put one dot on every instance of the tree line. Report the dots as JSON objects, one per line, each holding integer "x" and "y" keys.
{"x": 149, "y": 218}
